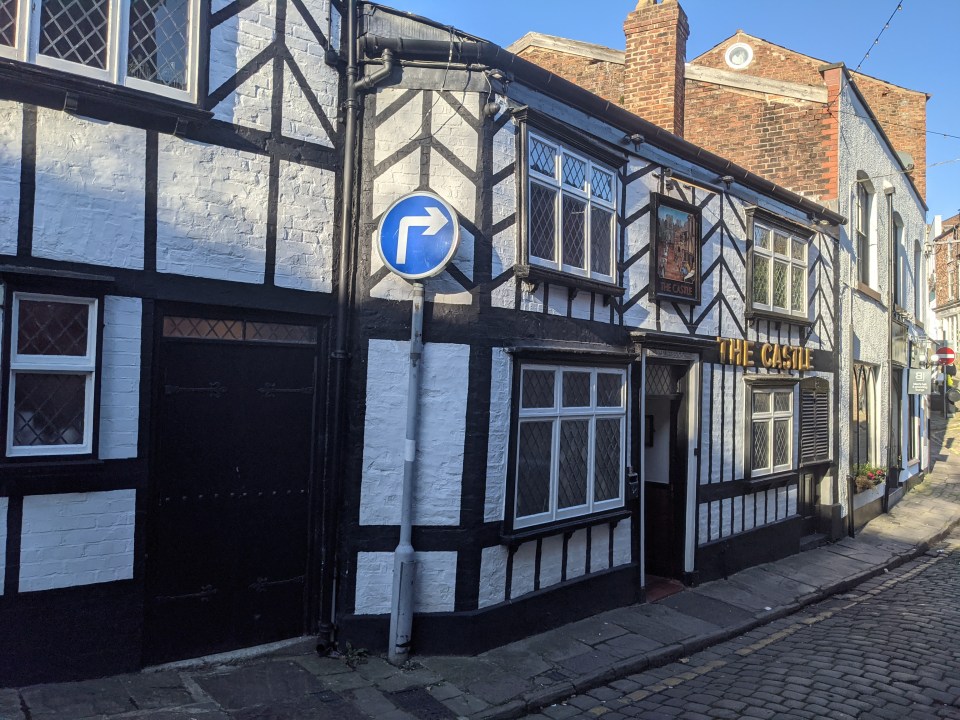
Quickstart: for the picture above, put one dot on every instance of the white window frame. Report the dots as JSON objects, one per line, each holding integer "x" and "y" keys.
{"x": 556, "y": 413}
{"x": 772, "y": 257}
{"x": 85, "y": 365}
{"x": 28, "y": 26}
{"x": 555, "y": 183}
{"x": 770, "y": 418}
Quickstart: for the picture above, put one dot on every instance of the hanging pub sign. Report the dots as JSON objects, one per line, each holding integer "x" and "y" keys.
{"x": 675, "y": 250}
{"x": 773, "y": 356}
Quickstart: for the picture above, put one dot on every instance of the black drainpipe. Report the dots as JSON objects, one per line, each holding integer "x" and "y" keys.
{"x": 341, "y": 355}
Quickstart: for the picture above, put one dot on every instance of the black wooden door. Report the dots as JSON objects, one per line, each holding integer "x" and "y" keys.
{"x": 228, "y": 558}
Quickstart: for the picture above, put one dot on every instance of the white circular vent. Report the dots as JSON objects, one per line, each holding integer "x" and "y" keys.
{"x": 739, "y": 55}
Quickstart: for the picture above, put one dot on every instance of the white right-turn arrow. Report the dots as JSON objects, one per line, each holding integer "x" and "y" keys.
{"x": 434, "y": 221}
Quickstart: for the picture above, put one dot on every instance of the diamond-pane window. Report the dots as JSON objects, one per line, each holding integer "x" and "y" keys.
{"x": 574, "y": 232}
{"x": 543, "y": 215}
{"x": 779, "y": 271}
{"x": 772, "y": 430}
{"x": 760, "y": 443}
{"x": 75, "y": 31}
{"x": 8, "y": 22}
{"x": 781, "y": 441}
{"x": 159, "y": 42}
{"x": 52, "y": 368}
{"x": 659, "y": 380}
{"x": 571, "y": 211}
{"x": 761, "y": 402}
{"x": 781, "y": 401}
{"x": 569, "y": 454}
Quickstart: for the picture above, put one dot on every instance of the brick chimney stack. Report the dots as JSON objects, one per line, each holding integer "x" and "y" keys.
{"x": 653, "y": 87}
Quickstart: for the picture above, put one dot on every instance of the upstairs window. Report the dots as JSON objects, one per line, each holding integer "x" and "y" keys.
{"x": 53, "y": 357}
{"x": 779, "y": 271}
{"x": 862, "y": 230}
{"x": 572, "y": 211}
{"x": 144, "y": 44}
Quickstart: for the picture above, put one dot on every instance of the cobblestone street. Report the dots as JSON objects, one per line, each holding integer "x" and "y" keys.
{"x": 888, "y": 649}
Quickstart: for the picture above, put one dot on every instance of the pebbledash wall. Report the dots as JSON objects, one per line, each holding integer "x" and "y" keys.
{"x": 465, "y": 134}
{"x": 142, "y": 202}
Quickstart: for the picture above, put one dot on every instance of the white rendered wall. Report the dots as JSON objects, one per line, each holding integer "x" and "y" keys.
{"x": 434, "y": 586}
{"x": 11, "y": 130}
{"x": 444, "y": 377}
{"x": 90, "y": 198}
{"x": 120, "y": 377}
{"x": 76, "y": 539}
{"x": 211, "y": 211}
{"x": 305, "y": 213}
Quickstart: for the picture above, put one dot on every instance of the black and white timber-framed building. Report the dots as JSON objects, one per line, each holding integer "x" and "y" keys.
{"x": 629, "y": 368}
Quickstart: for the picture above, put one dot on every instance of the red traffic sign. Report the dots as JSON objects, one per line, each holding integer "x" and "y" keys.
{"x": 945, "y": 356}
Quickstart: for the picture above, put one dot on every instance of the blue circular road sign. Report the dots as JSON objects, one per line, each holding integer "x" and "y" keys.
{"x": 418, "y": 235}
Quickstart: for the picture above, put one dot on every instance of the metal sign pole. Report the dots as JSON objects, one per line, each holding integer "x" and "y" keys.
{"x": 404, "y": 565}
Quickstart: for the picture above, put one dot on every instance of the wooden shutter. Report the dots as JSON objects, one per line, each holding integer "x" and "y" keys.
{"x": 814, "y": 425}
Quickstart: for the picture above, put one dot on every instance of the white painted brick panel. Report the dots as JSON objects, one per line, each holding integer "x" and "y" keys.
{"x": 622, "y": 543}
{"x": 11, "y": 134}
{"x": 299, "y": 119}
{"x": 444, "y": 378}
{"x": 233, "y": 44}
{"x": 4, "y": 505}
{"x": 577, "y": 554}
{"x": 493, "y": 575}
{"x": 89, "y": 203}
{"x": 599, "y": 548}
{"x": 551, "y": 560}
{"x": 434, "y": 585}
{"x": 76, "y": 539}
{"x": 524, "y": 569}
{"x": 211, "y": 211}
{"x": 498, "y": 435}
{"x": 120, "y": 378}
{"x": 305, "y": 240}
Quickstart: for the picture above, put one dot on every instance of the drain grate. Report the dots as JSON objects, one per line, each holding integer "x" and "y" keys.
{"x": 421, "y": 704}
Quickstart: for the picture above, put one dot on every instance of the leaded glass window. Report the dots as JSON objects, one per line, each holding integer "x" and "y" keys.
{"x": 771, "y": 430}
{"x": 571, "y": 430}
{"x": 8, "y": 23}
{"x": 52, "y": 369}
{"x": 571, "y": 209}
{"x": 779, "y": 271}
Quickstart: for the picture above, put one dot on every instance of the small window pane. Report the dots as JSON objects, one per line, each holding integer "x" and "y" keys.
{"x": 159, "y": 41}
{"x": 780, "y": 284}
{"x": 202, "y": 328}
{"x": 537, "y": 390}
{"x": 761, "y": 279}
{"x": 75, "y": 30}
{"x": 761, "y": 237}
{"x": 543, "y": 219}
{"x": 799, "y": 250}
{"x": 8, "y": 22}
{"x": 607, "y": 460}
{"x": 781, "y": 401}
{"x": 533, "y": 467}
{"x": 46, "y": 327}
{"x": 609, "y": 390}
{"x": 797, "y": 289}
{"x": 576, "y": 389}
{"x": 761, "y": 402}
{"x": 542, "y": 157}
{"x": 601, "y": 224}
{"x": 781, "y": 442}
{"x": 574, "y": 232}
{"x": 48, "y": 409}
{"x": 574, "y": 172}
{"x": 780, "y": 243}
{"x": 601, "y": 185}
{"x": 760, "y": 444}
{"x": 280, "y": 333}
{"x": 574, "y": 447}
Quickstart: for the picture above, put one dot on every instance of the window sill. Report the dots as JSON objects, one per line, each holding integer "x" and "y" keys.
{"x": 535, "y": 275}
{"x": 28, "y": 464}
{"x": 869, "y": 292}
{"x": 773, "y": 480}
{"x": 565, "y": 527}
{"x": 89, "y": 97}
{"x": 761, "y": 314}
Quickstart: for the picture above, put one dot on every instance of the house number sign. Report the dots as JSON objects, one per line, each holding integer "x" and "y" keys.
{"x": 747, "y": 353}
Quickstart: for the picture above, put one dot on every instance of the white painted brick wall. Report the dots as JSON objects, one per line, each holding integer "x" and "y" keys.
{"x": 211, "y": 211}
{"x": 524, "y": 569}
{"x": 551, "y": 560}
{"x": 622, "y": 543}
{"x": 493, "y": 575}
{"x": 501, "y": 383}
{"x": 90, "y": 191}
{"x": 4, "y": 504}
{"x": 11, "y": 132}
{"x": 577, "y": 554}
{"x": 434, "y": 585}
{"x": 444, "y": 378}
{"x": 76, "y": 539}
{"x": 305, "y": 232}
{"x": 299, "y": 118}
{"x": 233, "y": 44}
{"x": 599, "y": 548}
{"x": 120, "y": 378}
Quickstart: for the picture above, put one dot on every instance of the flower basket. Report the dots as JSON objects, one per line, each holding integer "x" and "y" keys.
{"x": 868, "y": 476}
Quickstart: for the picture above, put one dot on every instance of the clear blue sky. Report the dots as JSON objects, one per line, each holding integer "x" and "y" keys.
{"x": 919, "y": 50}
